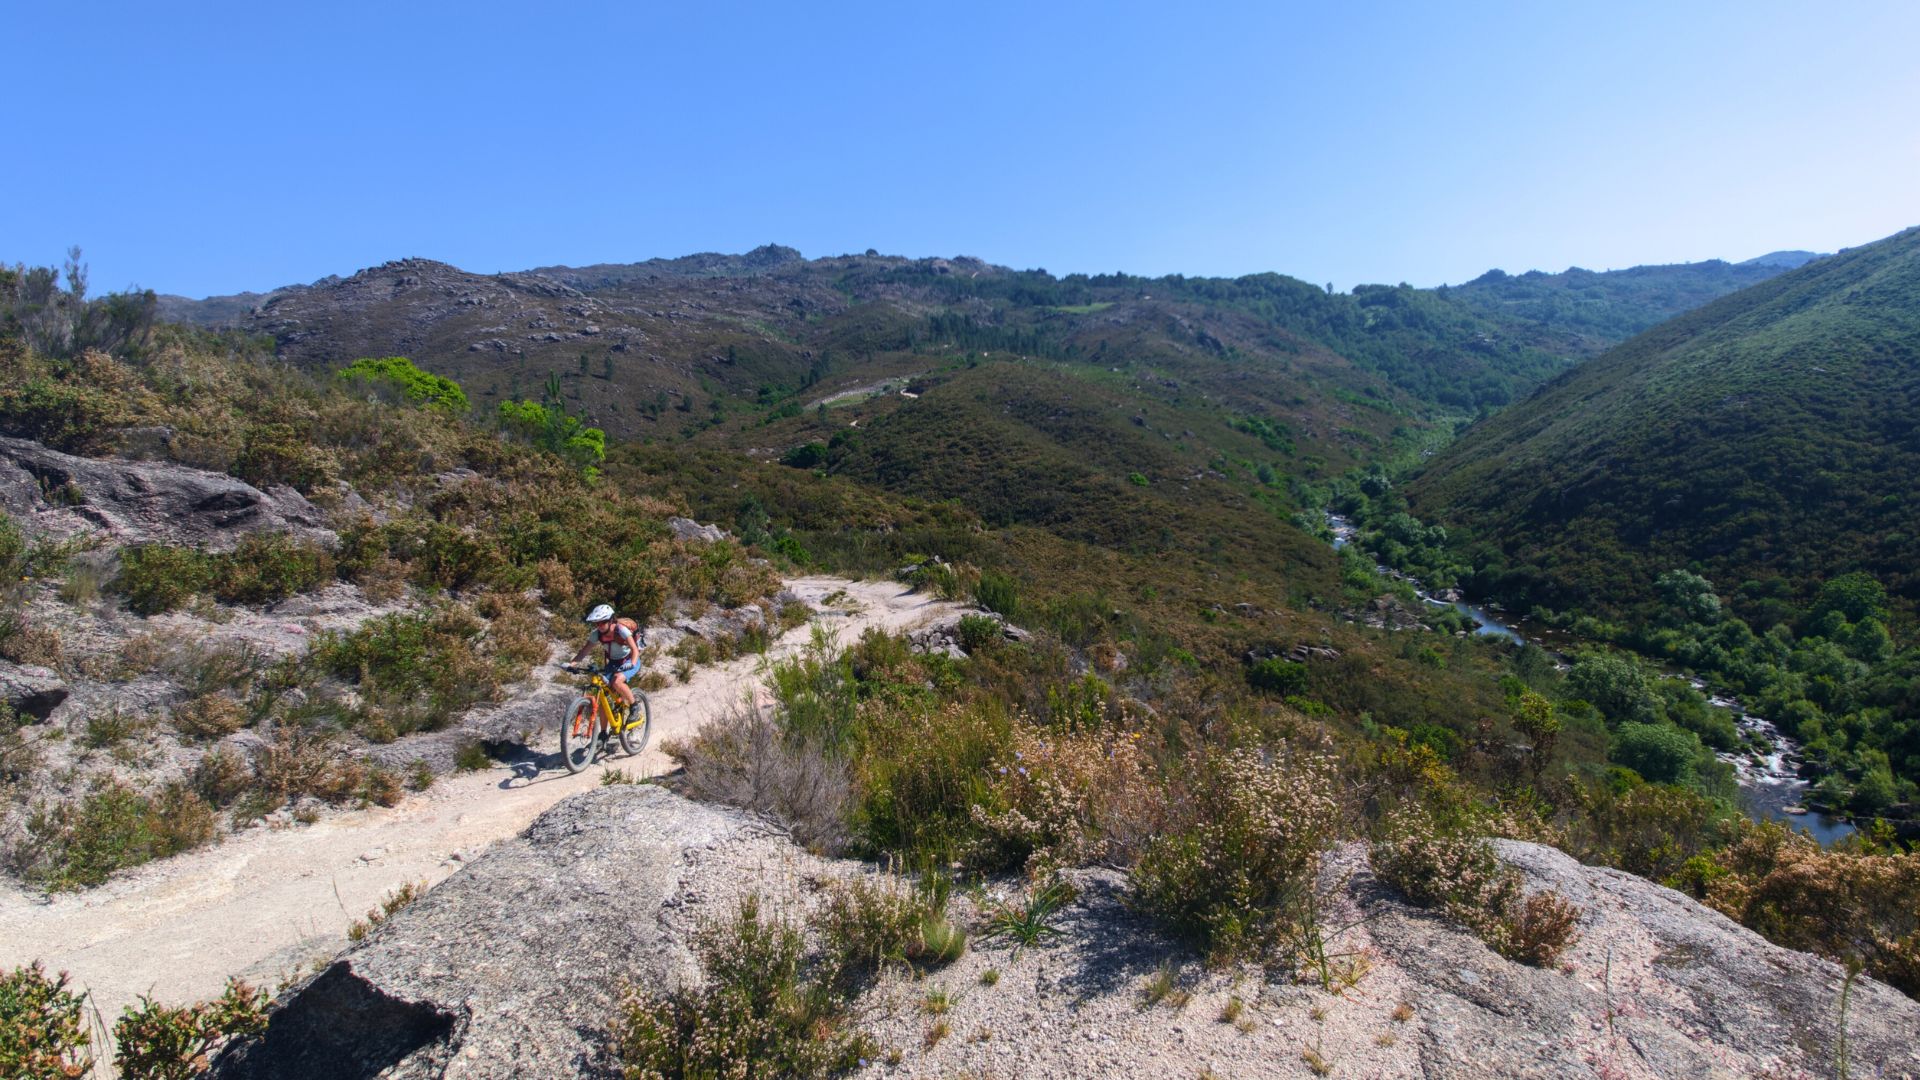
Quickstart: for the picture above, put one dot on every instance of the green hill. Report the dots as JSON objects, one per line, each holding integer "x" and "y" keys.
{"x": 1768, "y": 439}
{"x": 1582, "y": 312}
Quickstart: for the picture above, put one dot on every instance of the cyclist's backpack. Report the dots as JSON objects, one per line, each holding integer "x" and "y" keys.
{"x": 633, "y": 627}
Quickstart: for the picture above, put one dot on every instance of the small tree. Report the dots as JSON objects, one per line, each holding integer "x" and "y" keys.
{"x": 1533, "y": 716}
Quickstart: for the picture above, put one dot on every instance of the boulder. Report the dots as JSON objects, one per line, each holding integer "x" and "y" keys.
{"x": 144, "y": 501}
{"x": 514, "y": 966}
{"x": 31, "y": 691}
{"x": 689, "y": 529}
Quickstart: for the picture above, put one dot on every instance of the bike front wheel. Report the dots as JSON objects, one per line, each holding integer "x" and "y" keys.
{"x": 639, "y": 725}
{"x": 581, "y": 735}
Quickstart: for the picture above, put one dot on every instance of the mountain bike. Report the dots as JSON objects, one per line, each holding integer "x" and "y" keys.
{"x": 595, "y": 715}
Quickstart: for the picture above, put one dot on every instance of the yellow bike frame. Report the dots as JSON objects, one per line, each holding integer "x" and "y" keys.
{"x": 603, "y": 709}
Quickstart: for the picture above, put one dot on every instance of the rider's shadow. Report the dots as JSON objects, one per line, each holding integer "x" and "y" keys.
{"x": 526, "y": 765}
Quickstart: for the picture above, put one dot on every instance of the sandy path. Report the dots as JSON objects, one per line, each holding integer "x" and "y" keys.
{"x": 267, "y": 902}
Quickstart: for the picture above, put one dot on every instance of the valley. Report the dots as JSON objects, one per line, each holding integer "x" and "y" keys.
{"x": 1154, "y": 602}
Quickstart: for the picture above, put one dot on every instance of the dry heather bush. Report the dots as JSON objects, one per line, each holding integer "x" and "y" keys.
{"x": 20, "y": 753}
{"x": 1245, "y": 842}
{"x": 1068, "y": 799}
{"x": 1542, "y": 929}
{"x": 873, "y": 920}
{"x": 761, "y": 1011}
{"x": 207, "y": 668}
{"x": 305, "y": 762}
{"x": 79, "y": 844}
{"x": 209, "y": 717}
{"x": 220, "y": 776}
{"x": 389, "y": 906}
{"x": 1453, "y": 869}
{"x": 382, "y": 787}
{"x": 24, "y": 643}
{"x": 744, "y": 759}
{"x": 1859, "y": 906}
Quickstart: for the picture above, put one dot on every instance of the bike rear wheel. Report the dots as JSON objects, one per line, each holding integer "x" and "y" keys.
{"x": 581, "y": 735}
{"x": 639, "y": 725}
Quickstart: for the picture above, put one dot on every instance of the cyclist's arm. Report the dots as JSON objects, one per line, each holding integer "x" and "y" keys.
{"x": 584, "y": 650}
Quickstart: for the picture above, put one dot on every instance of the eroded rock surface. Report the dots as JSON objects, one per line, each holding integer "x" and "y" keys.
{"x": 31, "y": 691}
{"x": 513, "y": 967}
{"x": 143, "y": 501}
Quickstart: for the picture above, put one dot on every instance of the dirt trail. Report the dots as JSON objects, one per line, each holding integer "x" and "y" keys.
{"x": 268, "y": 901}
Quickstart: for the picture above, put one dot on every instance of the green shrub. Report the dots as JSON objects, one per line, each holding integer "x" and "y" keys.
{"x": 43, "y": 1032}
{"x": 267, "y": 567}
{"x": 13, "y": 552}
{"x": 1660, "y": 752}
{"x": 978, "y": 632}
{"x": 109, "y": 728}
{"x": 80, "y": 844}
{"x": 761, "y": 1013}
{"x": 920, "y": 773}
{"x": 156, "y": 1042}
{"x": 998, "y": 592}
{"x": 156, "y": 578}
{"x": 1277, "y": 676}
{"x": 275, "y": 453}
{"x": 418, "y": 670}
{"x": 548, "y": 425}
{"x": 1247, "y": 841}
{"x": 870, "y": 921}
{"x": 471, "y": 757}
{"x": 399, "y": 374}
{"x": 806, "y": 456}
{"x": 76, "y": 418}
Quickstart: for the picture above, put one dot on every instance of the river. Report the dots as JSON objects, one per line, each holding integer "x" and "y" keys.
{"x": 1771, "y": 787}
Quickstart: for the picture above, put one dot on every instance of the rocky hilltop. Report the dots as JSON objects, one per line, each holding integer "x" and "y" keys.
{"x": 515, "y": 967}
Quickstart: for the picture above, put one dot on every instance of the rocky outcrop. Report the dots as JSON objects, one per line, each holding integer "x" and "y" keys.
{"x": 514, "y": 967}
{"x": 943, "y": 638}
{"x": 31, "y": 691}
{"x": 143, "y": 501}
{"x": 689, "y": 529}
{"x": 1658, "y": 985}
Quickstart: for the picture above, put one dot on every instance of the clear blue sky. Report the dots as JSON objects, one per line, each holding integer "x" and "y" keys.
{"x": 205, "y": 148}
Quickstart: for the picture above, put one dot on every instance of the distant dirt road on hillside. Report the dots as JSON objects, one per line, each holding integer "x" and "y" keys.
{"x": 266, "y": 902}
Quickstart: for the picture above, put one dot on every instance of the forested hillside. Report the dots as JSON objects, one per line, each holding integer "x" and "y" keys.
{"x": 1767, "y": 440}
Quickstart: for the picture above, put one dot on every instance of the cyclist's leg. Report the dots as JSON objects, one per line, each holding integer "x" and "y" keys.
{"x": 617, "y": 677}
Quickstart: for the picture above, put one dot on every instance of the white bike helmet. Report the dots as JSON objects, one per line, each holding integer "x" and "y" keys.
{"x": 600, "y": 614}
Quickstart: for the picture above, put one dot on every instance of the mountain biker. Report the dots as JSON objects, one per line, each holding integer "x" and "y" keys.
{"x": 622, "y": 644}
